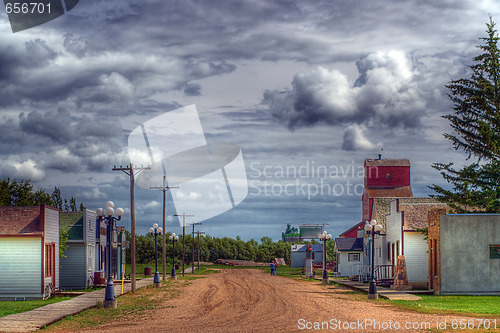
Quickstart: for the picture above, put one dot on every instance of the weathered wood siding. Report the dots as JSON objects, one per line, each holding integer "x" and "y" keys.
{"x": 20, "y": 266}
{"x": 51, "y": 221}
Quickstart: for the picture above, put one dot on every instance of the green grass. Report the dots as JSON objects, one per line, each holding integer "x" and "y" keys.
{"x": 129, "y": 306}
{"x": 7, "y": 308}
{"x": 471, "y": 305}
{"x": 139, "y": 269}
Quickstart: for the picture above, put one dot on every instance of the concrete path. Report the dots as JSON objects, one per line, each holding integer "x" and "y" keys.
{"x": 188, "y": 270}
{"x": 36, "y": 319}
{"x": 382, "y": 292}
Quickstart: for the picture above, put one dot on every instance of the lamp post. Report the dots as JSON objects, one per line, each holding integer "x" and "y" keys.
{"x": 107, "y": 215}
{"x": 173, "y": 238}
{"x": 156, "y": 231}
{"x": 324, "y": 237}
{"x": 374, "y": 229}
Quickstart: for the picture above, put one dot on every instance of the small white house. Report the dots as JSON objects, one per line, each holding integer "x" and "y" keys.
{"x": 349, "y": 254}
{"x": 298, "y": 255}
{"x": 29, "y": 252}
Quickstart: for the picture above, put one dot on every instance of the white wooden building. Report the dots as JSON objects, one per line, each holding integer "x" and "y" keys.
{"x": 406, "y": 216}
{"x": 29, "y": 252}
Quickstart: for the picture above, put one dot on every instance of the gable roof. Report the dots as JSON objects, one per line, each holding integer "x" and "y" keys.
{"x": 349, "y": 244}
{"x": 387, "y": 162}
{"x": 315, "y": 248}
{"x": 355, "y": 227}
{"x": 21, "y": 221}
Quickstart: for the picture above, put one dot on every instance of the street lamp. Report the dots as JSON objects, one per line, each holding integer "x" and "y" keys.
{"x": 156, "y": 231}
{"x": 173, "y": 238}
{"x": 107, "y": 215}
{"x": 324, "y": 237}
{"x": 374, "y": 229}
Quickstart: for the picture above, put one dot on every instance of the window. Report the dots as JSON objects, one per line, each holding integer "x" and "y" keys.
{"x": 380, "y": 253}
{"x": 353, "y": 257}
{"x": 49, "y": 259}
{"x": 388, "y": 251}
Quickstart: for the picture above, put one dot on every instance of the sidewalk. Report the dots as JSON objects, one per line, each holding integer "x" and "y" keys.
{"x": 36, "y": 319}
{"x": 382, "y": 291}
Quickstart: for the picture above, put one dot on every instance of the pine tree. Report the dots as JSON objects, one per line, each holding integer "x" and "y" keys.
{"x": 476, "y": 188}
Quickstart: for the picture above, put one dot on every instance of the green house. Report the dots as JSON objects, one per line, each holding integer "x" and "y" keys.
{"x": 78, "y": 262}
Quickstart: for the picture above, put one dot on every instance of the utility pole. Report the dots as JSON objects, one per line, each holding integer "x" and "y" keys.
{"x": 184, "y": 215}
{"x": 164, "y": 189}
{"x": 192, "y": 249}
{"x": 198, "y": 233}
{"x": 129, "y": 170}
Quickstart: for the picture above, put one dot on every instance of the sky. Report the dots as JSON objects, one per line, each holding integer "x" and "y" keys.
{"x": 306, "y": 89}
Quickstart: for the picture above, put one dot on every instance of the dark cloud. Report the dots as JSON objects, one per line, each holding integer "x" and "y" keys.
{"x": 54, "y": 125}
{"x": 192, "y": 89}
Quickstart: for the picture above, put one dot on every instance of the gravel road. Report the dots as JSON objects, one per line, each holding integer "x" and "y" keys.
{"x": 238, "y": 300}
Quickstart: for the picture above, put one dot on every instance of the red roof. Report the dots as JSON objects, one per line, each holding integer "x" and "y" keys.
{"x": 355, "y": 227}
{"x": 20, "y": 221}
{"x": 393, "y": 192}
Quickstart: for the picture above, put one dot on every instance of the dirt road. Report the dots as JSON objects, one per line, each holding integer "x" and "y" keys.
{"x": 237, "y": 300}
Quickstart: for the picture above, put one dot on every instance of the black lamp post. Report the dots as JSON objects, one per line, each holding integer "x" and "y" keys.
{"x": 324, "y": 237}
{"x": 156, "y": 231}
{"x": 109, "y": 295}
{"x": 173, "y": 238}
{"x": 373, "y": 229}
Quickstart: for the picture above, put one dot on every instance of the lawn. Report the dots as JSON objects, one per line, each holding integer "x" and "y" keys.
{"x": 7, "y": 308}
{"x": 471, "y": 305}
{"x": 129, "y": 306}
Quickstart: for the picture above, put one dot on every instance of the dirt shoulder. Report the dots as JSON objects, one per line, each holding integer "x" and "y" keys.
{"x": 240, "y": 300}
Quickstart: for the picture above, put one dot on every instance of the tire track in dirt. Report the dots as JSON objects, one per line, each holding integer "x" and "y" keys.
{"x": 240, "y": 300}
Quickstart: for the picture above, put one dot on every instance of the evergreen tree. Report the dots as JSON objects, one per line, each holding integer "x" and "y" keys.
{"x": 476, "y": 122}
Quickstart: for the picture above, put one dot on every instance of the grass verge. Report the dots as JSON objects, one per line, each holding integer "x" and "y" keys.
{"x": 129, "y": 306}
{"x": 7, "y": 308}
{"x": 469, "y": 305}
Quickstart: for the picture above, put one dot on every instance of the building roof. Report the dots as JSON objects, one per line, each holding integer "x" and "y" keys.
{"x": 349, "y": 244}
{"x": 416, "y": 211}
{"x": 315, "y": 248}
{"x": 355, "y": 227}
{"x": 387, "y": 192}
{"x": 72, "y": 223}
{"x": 20, "y": 221}
{"x": 387, "y": 162}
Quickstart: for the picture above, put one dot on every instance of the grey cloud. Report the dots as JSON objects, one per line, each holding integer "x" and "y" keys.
{"x": 75, "y": 45}
{"x": 54, "y": 125}
{"x": 192, "y": 89}
{"x": 386, "y": 92}
{"x": 354, "y": 139}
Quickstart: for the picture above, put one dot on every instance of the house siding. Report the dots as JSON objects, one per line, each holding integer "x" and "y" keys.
{"x": 51, "y": 235}
{"x": 344, "y": 265}
{"x": 20, "y": 267}
{"x": 74, "y": 276}
{"x": 393, "y": 231}
{"x": 416, "y": 258}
